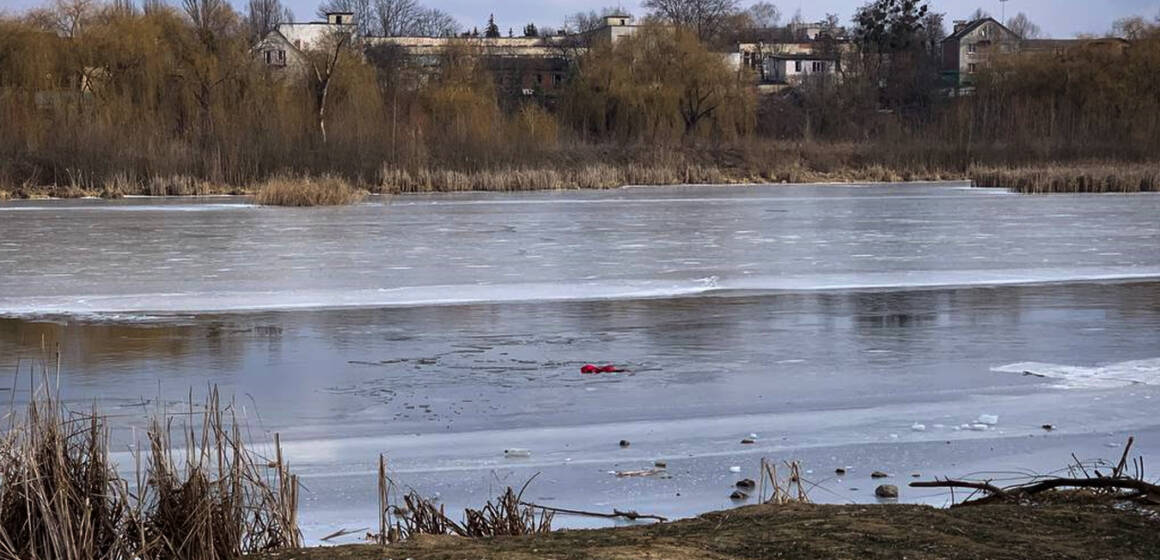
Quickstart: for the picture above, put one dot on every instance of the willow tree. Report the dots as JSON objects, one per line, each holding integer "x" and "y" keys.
{"x": 659, "y": 84}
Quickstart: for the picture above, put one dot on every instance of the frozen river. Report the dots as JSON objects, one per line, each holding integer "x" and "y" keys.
{"x": 441, "y": 330}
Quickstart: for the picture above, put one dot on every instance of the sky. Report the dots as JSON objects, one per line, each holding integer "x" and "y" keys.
{"x": 1058, "y": 18}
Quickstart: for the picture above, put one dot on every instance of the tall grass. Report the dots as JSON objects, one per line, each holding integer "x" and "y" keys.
{"x": 61, "y": 497}
{"x": 307, "y": 191}
{"x": 1061, "y": 178}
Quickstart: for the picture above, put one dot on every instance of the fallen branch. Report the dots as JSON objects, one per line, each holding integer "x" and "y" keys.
{"x": 1118, "y": 481}
{"x": 616, "y": 513}
{"x": 948, "y": 483}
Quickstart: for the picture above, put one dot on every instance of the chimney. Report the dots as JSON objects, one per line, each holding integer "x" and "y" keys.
{"x": 959, "y": 25}
{"x": 340, "y": 18}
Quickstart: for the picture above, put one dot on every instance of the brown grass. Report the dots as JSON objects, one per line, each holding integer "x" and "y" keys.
{"x": 307, "y": 191}
{"x": 62, "y": 498}
{"x": 1082, "y": 178}
{"x": 1066, "y": 529}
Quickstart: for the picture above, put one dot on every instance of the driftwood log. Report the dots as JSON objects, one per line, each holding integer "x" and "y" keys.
{"x": 1139, "y": 488}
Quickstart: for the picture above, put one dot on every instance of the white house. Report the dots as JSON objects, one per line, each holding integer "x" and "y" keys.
{"x": 792, "y": 69}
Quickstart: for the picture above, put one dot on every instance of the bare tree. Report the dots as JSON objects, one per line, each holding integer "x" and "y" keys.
{"x": 396, "y": 18}
{"x": 263, "y": 16}
{"x": 324, "y": 61}
{"x": 207, "y": 15}
{"x": 978, "y": 14}
{"x": 123, "y": 7}
{"x": 152, "y": 6}
{"x": 65, "y": 17}
{"x": 1022, "y": 26}
{"x": 432, "y": 22}
{"x": 702, "y": 17}
{"x": 764, "y": 15}
{"x": 1132, "y": 28}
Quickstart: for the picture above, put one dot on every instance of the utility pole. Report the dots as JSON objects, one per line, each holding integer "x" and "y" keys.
{"x": 1004, "y": 4}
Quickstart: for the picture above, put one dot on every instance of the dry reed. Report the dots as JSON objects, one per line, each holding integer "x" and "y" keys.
{"x": 327, "y": 190}
{"x": 507, "y": 515}
{"x": 1088, "y": 178}
{"x": 61, "y": 497}
{"x": 790, "y": 489}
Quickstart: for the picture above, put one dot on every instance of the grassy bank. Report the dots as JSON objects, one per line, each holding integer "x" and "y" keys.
{"x": 1067, "y": 528}
{"x": 609, "y": 166}
{"x": 1104, "y": 177}
{"x": 580, "y": 166}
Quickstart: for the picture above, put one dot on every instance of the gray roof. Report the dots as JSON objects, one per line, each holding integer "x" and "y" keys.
{"x": 973, "y": 26}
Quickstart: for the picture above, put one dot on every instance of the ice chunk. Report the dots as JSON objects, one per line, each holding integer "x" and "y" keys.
{"x": 988, "y": 419}
{"x": 734, "y": 469}
{"x": 918, "y": 427}
{"x": 980, "y": 427}
{"x": 517, "y": 452}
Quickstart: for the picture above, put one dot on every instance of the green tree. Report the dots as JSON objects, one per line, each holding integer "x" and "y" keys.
{"x": 889, "y": 26}
{"x": 492, "y": 30}
{"x": 531, "y": 31}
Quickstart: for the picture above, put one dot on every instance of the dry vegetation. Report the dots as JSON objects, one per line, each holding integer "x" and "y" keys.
{"x": 307, "y": 191}
{"x": 106, "y": 100}
{"x": 208, "y": 497}
{"x": 1072, "y": 178}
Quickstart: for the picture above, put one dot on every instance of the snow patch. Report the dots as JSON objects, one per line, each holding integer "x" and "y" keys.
{"x": 1123, "y": 374}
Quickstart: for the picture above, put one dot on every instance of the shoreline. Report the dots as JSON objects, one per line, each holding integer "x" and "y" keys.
{"x": 1066, "y": 525}
{"x": 44, "y": 193}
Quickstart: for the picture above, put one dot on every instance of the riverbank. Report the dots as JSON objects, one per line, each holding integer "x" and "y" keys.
{"x": 513, "y": 179}
{"x": 1070, "y": 527}
{"x": 1095, "y": 177}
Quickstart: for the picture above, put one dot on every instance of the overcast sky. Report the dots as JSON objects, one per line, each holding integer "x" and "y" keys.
{"x": 1058, "y": 18}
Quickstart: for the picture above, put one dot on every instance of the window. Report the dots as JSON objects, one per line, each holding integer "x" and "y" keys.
{"x": 797, "y": 66}
{"x": 558, "y": 79}
{"x": 275, "y": 57}
{"x": 539, "y": 79}
{"x": 819, "y": 66}
{"x": 971, "y": 48}
{"x": 972, "y": 68}
{"x": 338, "y": 20}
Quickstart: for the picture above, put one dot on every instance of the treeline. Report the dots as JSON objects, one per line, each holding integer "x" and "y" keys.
{"x": 110, "y": 97}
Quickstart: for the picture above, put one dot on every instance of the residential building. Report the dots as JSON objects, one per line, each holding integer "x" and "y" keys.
{"x": 966, "y": 51}
{"x": 523, "y": 66}
{"x": 973, "y": 45}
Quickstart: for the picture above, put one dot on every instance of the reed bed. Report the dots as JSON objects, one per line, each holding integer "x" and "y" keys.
{"x": 61, "y": 497}
{"x": 1084, "y": 178}
{"x": 506, "y": 515}
{"x": 595, "y": 176}
{"x": 327, "y": 190}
